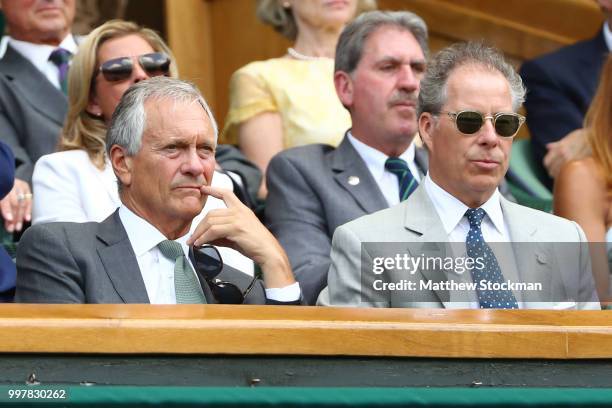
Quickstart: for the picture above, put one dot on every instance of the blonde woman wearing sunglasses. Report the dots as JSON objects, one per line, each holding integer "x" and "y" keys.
{"x": 77, "y": 184}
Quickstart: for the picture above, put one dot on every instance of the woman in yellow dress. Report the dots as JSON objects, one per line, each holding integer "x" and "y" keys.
{"x": 291, "y": 101}
{"x": 583, "y": 189}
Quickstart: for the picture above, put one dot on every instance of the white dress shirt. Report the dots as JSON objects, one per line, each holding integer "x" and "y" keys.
{"x": 452, "y": 213}
{"x": 158, "y": 271}
{"x": 607, "y": 33}
{"x": 375, "y": 161}
{"x": 38, "y": 55}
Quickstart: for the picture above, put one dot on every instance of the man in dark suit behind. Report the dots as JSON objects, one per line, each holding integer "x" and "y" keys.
{"x": 313, "y": 189}
{"x": 32, "y": 104}
{"x": 7, "y": 266}
{"x": 161, "y": 143}
{"x": 560, "y": 87}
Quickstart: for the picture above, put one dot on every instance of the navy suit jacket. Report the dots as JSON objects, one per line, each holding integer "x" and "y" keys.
{"x": 560, "y": 86}
{"x": 7, "y": 266}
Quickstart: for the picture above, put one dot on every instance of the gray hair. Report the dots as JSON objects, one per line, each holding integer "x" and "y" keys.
{"x": 432, "y": 95}
{"x": 129, "y": 119}
{"x": 352, "y": 40}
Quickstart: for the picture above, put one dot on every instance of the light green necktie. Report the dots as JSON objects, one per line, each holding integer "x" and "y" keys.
{"x": 186, "y": 285}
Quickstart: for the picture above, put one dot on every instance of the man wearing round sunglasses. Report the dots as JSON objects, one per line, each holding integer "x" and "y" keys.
{"x": 502, "y": 255}
{"x": 161, "y": 143}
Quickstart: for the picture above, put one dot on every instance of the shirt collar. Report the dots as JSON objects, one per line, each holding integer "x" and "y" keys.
{"x": 452, "y": 211}
{"x": 375, "y": 159}
{"x": 144, "y": 236}
{"x": 38, "y": 54}
{"x": 607, "y": 35}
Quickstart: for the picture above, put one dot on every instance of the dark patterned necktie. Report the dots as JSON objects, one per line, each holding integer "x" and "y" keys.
{"x": 478, "y": 248}
{"x": 186, "y": 285}
{"x": 407, "y": 182}
{"x": 61, "y": 58}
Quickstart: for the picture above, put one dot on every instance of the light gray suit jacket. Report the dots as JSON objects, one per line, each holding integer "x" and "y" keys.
{"x": 311, "y": 191}
{"x": 32, "y": 112}
{"x": 92, "y": 262}
{"x": 547, "y": 249}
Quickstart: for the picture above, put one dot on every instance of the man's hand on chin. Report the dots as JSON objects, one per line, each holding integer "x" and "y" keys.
{"x": 239, "y": 228}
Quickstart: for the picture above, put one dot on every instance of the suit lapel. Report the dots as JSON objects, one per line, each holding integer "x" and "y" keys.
{"x": 33, "y": 86}
{"x": 119, "y": 261}
{"x": 422, "y": 219}
{"x": 533, "y": 259}
{"x": 352, "y": 174}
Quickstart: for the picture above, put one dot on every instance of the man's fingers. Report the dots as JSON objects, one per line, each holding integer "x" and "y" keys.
{"x": 212, "y": 234}
{"x": 28, "y": 211}
{"x": 215, "y": 217}
{"x": 6, "y": 209}
{"x": 228, "y": 196}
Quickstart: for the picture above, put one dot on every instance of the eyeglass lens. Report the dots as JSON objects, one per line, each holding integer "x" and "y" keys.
{"x": 469, "y": 122}
{"x": 208, "y": 261}
{"x": 119, "y": 69}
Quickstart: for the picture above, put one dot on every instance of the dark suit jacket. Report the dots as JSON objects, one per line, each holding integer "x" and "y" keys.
{"x": 560, "y": 86}
{"x": 92, "y": 263}
{"x": 231, "y": 159}
{"x": 309, "y": 195}
{"x": 7, "y": 266}
{"x": 32, "y": 112}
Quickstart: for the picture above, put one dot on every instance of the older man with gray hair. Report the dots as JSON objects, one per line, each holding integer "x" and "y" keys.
{"x": 161, "y": 143}
{"x": 380, "y": 59}
{"x": 456, "y": 242}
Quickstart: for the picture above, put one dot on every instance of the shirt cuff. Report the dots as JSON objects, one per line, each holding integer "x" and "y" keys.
{"x": 289, "y": 293}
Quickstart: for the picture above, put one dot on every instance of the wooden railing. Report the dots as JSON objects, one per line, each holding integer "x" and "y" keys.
{"x": 310, "y": 331}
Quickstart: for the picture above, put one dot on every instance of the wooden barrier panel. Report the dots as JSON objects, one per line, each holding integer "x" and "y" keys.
{"x": 308, "y": 331}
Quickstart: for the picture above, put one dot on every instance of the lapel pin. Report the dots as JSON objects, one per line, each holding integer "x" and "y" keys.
{"x": 353, "y": 180}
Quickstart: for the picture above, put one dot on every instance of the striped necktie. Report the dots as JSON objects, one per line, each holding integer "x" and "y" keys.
{"x": 186, "y": 285}
{"x": 407, "y": 182}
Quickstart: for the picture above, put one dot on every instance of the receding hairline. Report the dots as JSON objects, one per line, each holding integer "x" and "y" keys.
{"x": 153, "y": 102}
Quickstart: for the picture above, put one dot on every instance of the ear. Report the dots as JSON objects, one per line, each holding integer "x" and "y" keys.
{"x": 92, "y": 106}
{"x": 122, "y": 164}
{"x": 427, "y": 125}
{"x": 344, "y": 88}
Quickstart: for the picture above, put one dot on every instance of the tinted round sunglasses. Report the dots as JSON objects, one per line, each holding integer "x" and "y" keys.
{"x": 506, "y": 124}
{"x": 208, "y": 263}
{"x": 120, "y": 69}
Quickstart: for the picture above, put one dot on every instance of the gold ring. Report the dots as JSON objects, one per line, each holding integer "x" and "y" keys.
{"x": 27, "y": 196}
{"x": 20, "y": 197}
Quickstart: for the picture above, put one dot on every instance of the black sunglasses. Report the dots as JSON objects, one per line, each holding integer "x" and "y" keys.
{"x": 506, "y": 124}
{"x": 120, "y": 69}
{"x": 208, "y": 264}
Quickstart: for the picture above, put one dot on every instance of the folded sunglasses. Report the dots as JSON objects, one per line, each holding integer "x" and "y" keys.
{"x": 208, "y": 264}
